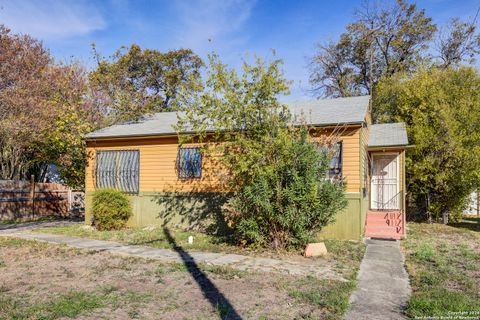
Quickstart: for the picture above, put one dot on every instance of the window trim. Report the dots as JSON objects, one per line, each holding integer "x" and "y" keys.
{"x": 340, "y": 167}
{"x": 117, "y": 185}
{"x": 179, "y": 170}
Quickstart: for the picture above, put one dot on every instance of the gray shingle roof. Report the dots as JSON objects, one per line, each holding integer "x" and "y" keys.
{"x": 332, "y": 111}
{"x": 315, "y": 112}
{"x": 388, "y": 135}
{"x": 156, "y": 124}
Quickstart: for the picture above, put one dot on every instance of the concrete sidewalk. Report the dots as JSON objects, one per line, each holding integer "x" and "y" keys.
{"x": 383, "y": 287}
{"x": 240, "y": 262}
{"x": 25, "y": 226}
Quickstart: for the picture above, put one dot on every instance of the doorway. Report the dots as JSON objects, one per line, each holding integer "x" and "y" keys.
{"x": 385, "y": 182}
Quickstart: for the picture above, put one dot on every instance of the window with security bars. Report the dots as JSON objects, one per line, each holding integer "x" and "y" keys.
{"x": 335, "y": 168}
{"x": 118, "y": 169}
{"x": 189, "y": 163}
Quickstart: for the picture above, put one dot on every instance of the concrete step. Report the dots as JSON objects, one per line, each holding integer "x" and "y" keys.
{"x": 394, "y": 229}
{"x": 384, "y": 222}
{"x": 384, "y": 215}
{"x": 383, "y": 235}
{"x": 391, "y": 221}
{"x": 384, "y": 225}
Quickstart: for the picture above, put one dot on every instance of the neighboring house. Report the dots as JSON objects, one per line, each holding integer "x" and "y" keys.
{"x": 179, "y": 187}
{"x": 472, "y": 205}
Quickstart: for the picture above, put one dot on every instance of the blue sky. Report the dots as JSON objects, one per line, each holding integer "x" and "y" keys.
{"x": 231, "y": 28}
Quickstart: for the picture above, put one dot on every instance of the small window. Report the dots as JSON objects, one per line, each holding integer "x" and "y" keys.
{"x": 189, "y": 163}
{"x": 118, "y": 169}
{"x": 335, "y": 169}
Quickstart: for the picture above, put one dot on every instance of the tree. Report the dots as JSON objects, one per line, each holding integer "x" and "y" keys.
{"x": 332, "y": 72}
{"x": 277, "y": 174}
{"x": 441, "y": 108}
{"x": 45, "y": 109}
{"x": 381, "y": 42}
{"x": 23, "y": 83}
{"x": 137, "y": 82}
{"x": 240, "y": 111}
{"x": 460, "y": 43}
{"x": 76, "y": 114}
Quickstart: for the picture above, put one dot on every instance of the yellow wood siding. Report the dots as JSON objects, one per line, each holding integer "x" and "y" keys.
{"x": 157, "y": 166}
{"x": 158, "y": 158}
{"x": 351, "y": 160}
{"x": 364, "y": 167}
{"x": 350, "y": 138}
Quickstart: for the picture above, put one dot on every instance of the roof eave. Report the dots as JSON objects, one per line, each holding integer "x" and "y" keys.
{"x": 169, "y": 134}
{"x": 140, "y": 135}
{"x": 336, "y": 124}
{"x": 392, "y": 146}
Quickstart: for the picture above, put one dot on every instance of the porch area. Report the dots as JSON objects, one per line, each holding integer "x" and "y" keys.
{"x": 386, "y": 215}
{"x": 385, "y": 225}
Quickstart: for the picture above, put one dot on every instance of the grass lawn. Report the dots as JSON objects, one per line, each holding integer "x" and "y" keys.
{"x": 155, "y": 237}
{"x": 444, "y": 267}
{"x": 45, "y": 281}
{"x": 150, "y": 236}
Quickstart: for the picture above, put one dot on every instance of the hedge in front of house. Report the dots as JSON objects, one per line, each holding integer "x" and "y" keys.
{"x": 111, "y": 209}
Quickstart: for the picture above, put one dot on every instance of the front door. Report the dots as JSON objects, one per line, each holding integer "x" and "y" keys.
{"x": 385, "y": 182}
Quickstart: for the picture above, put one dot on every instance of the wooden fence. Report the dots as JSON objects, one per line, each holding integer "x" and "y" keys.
{"x": 33, "y": 200}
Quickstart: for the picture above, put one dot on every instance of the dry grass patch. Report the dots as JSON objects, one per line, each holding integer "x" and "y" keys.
{"x": 149, "y": 236}
{"x": 43, "y": 281}
{"x": 155, "y": 237}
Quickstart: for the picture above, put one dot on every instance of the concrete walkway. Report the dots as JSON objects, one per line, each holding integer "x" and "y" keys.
{"x": 246, "y": 263}
{"x": 24, "y": 226}
{"x": 383, "y": 286}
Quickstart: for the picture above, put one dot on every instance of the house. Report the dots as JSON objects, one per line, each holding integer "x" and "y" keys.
{"x": 179, "y": 187}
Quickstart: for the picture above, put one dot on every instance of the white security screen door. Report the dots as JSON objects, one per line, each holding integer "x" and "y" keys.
{"x": 385, "y": 182}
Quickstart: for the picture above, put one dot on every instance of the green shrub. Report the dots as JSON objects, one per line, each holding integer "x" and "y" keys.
{"x": 288, "y": 200}
{"x": 111, "y": 209}
{"x": 277, "y": 176}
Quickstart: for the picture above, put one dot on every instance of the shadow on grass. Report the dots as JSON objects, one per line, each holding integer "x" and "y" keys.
{"x": 471, "y": 223}
{"x": 209, "y": 290}
{"x": 40, "y": 223}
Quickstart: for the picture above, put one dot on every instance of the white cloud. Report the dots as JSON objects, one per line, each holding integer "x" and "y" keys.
{"x": 212, "y": 20}
{"x": 51, "y": 19}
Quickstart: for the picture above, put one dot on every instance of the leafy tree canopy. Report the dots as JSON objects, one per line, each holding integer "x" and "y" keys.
{"x": 240, "y": 111}
{"x": 138, "y": 81}
{"x": 441, "y": 108}
{"x": 45, "y": 109}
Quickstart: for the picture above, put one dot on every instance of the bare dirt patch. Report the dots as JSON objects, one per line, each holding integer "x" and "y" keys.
{"x": 42, "y": 281}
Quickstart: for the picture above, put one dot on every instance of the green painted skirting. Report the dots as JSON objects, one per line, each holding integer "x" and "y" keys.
{"x": 203, "y": 211}
{"x": 186, "y": 210}
{"x": 350, "y": 223}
